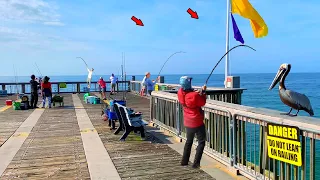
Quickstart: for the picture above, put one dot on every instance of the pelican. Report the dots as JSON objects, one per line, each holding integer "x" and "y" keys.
{"x": 292, "y": 99}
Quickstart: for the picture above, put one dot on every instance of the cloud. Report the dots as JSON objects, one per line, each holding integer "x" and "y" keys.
{"x": 16, "y": 38}
{"x": 29, "y": 11}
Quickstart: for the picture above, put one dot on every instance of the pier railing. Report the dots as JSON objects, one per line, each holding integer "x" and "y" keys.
{"x": 237, "y": 137}
{"x": 58, "y": 87}
{"x": 231, "y": 95}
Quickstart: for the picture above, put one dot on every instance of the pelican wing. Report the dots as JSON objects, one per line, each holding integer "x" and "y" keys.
{"x": 300, "y": 99}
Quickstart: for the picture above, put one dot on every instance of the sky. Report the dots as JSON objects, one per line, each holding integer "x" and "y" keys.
{"x": 52, "y": 33}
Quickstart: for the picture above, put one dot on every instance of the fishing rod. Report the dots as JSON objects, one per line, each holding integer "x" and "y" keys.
{"x": 122, "y": 76}
{"x": 223, "y": 57}
{"x": 125, "y": 75}
{"x": 38, "y": 69}
{"x": 84, "y": 62}
{"x": 16, "y": 79}
{"x": 168, "y": 60}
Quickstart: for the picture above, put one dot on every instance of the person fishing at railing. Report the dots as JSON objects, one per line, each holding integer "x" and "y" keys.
{"x": 90, "y": 71}
{"x": 150, "y": 83}
{"x": 34, "y": 84}
{"x": 193, "y": 116}
{"x": 113, "y": 80}
{"x": 46, "y": 91}
{"x": 103, "y": 87}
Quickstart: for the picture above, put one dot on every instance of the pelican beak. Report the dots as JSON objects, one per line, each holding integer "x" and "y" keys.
{"x": 277, "y": 78}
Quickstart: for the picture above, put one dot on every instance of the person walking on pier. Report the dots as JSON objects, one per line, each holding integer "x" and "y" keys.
{"x": 34, "y": 92}
{"x": 113, "y": 80}
{"x": 193, "y": 115}
{"x": 103, "y": 87}
{"x": 46, "y": 91}
{"x": 90, "y": 71}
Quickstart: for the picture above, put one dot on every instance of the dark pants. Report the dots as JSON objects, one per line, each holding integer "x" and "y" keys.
{"x": 149, "y": 92}
{"x": 34, "y": 99}
{"x": 201, "y": 136}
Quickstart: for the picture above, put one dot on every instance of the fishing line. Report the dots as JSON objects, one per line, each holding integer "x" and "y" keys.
{"x": 223, "y": 57}
{"x": 168, "y": 60}
{"x": 38, "y": 69}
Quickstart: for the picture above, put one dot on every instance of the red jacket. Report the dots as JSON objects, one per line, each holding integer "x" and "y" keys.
{"x": 192, "y": 102}
{"x": 102, "y": 83}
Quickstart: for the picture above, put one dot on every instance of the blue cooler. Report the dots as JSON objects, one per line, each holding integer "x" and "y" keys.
{"x": 96, "y": 100}
{"x": 112, "y": 115}
{"x": 90, "y": 99}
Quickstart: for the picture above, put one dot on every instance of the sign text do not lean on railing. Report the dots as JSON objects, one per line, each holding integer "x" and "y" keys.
{"x": 284, "y": 144}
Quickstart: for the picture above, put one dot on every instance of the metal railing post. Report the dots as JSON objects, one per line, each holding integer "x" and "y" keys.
{"x": 231, "y": 140}
{"x": 234, "y": 139}
{"x": 178, "y": 114}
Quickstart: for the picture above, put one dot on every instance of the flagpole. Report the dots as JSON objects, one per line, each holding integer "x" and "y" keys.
{"x": 227, "y": 44}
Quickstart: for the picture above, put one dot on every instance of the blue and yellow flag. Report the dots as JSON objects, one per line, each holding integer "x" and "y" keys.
{"x": 245, "y": 9}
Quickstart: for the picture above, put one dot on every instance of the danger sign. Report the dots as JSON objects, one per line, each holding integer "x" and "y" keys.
{"x": 283, "y": 144}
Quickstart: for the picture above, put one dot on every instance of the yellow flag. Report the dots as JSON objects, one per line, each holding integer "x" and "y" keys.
{"x": 245, "y": 9}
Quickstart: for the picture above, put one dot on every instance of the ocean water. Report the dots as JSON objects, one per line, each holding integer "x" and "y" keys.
{"x": 257, "y": 85}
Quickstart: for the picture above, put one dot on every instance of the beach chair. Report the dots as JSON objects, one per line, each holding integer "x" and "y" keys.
{"x": 131, "y": 123}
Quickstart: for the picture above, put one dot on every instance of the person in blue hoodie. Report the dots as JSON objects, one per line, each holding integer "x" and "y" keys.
{"x": 150, "y": 83}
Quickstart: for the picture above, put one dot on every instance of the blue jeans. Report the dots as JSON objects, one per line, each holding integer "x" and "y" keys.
{"x": 44, "y": 101}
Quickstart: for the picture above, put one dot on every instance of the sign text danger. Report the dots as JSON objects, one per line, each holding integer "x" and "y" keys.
{"x": 283, "y": 144}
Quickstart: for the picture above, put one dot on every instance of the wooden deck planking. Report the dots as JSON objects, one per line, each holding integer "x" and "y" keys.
{"x": 10, "y": 120}
{"x": 137, "y": 159}
{"x": 52, "y": 150}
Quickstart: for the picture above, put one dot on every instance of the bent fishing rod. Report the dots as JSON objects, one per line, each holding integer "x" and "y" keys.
{"x": 223, "y": 57}
{"x": 168, "y": 60}
{"x": 84, "y": 61}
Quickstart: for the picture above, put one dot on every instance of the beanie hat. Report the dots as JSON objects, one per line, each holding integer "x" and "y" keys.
{"x": 185, "y": 83}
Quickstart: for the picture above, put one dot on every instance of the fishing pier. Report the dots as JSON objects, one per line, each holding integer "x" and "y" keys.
{"x": 74, "y": 142}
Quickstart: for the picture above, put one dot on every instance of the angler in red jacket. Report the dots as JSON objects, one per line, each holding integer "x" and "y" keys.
{"x": 193, "y": 115}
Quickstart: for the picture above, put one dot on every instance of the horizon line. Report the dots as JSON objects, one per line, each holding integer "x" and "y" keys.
{"x": 174, "y": 74}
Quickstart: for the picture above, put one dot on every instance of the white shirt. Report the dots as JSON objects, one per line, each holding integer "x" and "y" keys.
{"x": 113, "y": 79}
{"x": 90, "y": 73}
